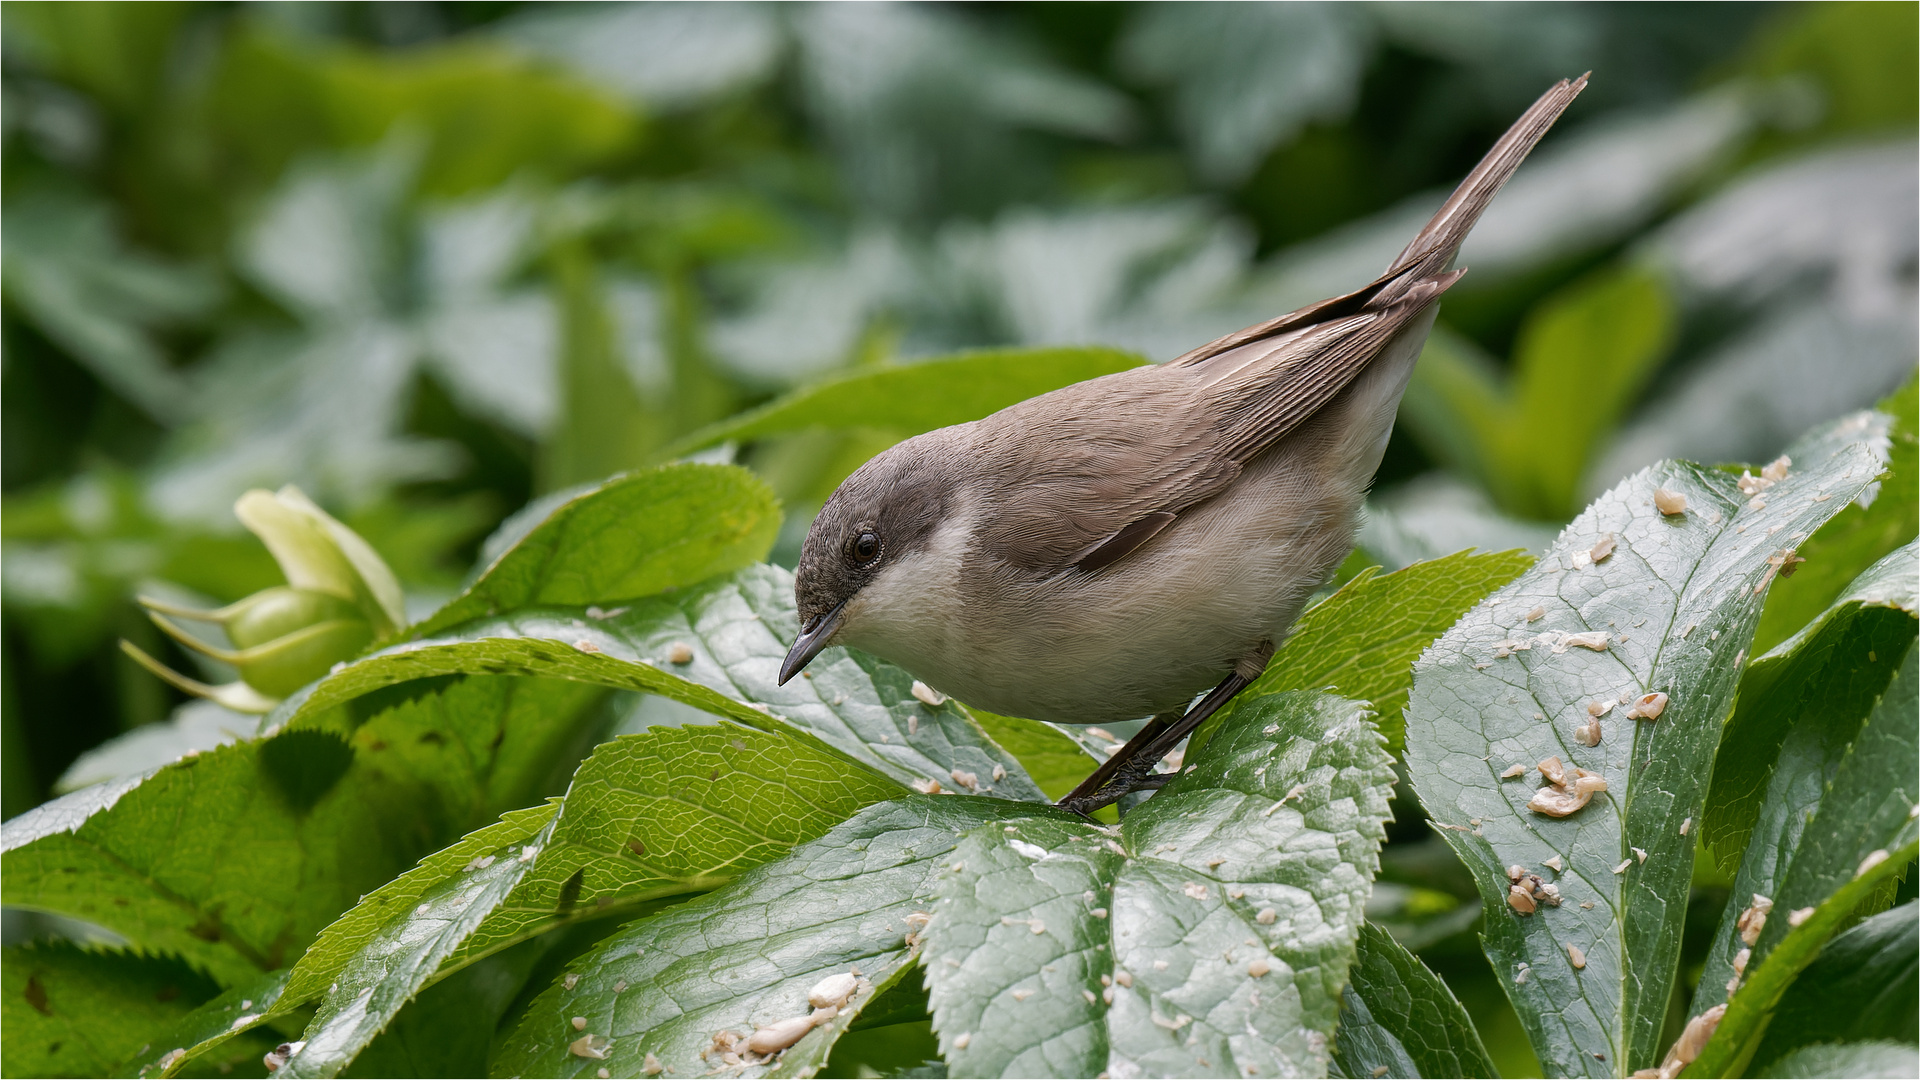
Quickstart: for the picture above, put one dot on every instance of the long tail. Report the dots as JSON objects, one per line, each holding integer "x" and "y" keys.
{"x": 1431, "y": 253}
{"x": 1439, "y": 242}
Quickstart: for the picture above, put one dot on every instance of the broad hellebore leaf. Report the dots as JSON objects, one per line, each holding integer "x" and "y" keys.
{"x": 716, "y": 646}
{"x": 1208, "y": 935}
{"x": 1399, "y": 1016}
{"x": 1631, "y": 601}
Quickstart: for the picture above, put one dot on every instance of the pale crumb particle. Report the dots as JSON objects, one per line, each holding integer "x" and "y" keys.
{"x": 679, "y": 653}
{"x": 586, "y": 646}
{"x": 1514, "y": 770}
{"x": 1536, "y": 614}
{"x": 602, "y": 1074}
{"x": 1871, "y": 861}
{"x": 1124, "y": 978}
{"x": 1554, "y": 864}
{"x": 1099, "y": 913}
{"x": 1258, "y": 967}
{"x": 928, "y": 786}
{"x": 1088, "y": 994}
{"x": 1159, "y": 965}
{"x": 966, "y": 779}
{"x": 1022, "y": 994}
{"x": 927, "y": 695}
{"x": 579, "y": 1023}
{"x": 1621, "y": 867}
{"x": 1587, "y": 904}
{"x": 1640, "y": 854}
{"x": 1669, "y": 502}
{"x": 1799, "y": 915}
{"x": 1602, "y": 550}
{"x": 1686, "y": 825}
{"x": 652, "y": 1066}
{"x": 1574, "y": 956}
{"x": 999, "y": 773}
{"x": 1266, "y": 917}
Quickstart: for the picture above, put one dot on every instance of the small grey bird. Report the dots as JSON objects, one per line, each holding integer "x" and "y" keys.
{"x": 1109, "y": 550}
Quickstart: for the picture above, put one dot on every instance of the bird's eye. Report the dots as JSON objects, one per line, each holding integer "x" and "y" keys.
{"x": 865, "y": 548}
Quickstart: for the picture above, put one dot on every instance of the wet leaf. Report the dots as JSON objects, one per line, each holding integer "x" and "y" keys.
{"x": 1670, "y": 610}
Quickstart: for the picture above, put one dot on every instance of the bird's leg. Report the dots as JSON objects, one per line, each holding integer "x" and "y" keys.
{"x": 1131, "y": 767}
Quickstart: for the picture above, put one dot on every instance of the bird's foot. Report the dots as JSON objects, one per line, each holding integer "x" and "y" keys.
{"x": 1121, "y": 784}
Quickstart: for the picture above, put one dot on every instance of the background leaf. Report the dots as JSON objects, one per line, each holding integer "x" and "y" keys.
{"x": 910, "y": 399}
{"x": 71, "y": 1011}
{"x": 630, "y": 537}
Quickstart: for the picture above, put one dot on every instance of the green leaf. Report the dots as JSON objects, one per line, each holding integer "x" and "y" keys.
{"x": 1864, "y": 985}
{"x": 1361, "y": 642}
{"x": 1862, "y": 1061}
{"x": 1581, "y": 358}
{"x": 1212, "y": 938}
{"x": 1802, "y": 703}
{"x": 230, "y": 1017}
{"x": 448, "y": 1029}
{"x": 732, "y": 633}
{"x": 71, "y": 1011}
{"x": 629, "y": 537}
{"x": 1861, "y": 834}
{"x": 235, "y": 858}
{"x": 909, "y": 399}
{"x": 667, "y": 812}
{"x": 746, "y": 956}
{"x": 1673, "y": 607}
{"x": 1399, "y": 1015}
{"x": 1055, "y": 760}
{"x": 1843, "y": 548}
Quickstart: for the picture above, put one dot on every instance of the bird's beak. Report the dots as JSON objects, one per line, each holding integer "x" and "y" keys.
{"x": 815, "y": 636}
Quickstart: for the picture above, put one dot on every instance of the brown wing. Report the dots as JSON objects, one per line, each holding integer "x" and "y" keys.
{"x": 1130, "y": 451}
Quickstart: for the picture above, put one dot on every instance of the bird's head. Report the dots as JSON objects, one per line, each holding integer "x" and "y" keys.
{"x": 878, "y": 519}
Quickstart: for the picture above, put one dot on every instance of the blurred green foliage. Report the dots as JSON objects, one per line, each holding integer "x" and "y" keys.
{"x": 430, "y": 261}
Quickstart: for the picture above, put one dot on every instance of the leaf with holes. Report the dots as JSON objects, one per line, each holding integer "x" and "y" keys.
{"x": 716, "y": 646}
{"x": 1208, "y": 935}
{"x": 1628, "y": 602}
